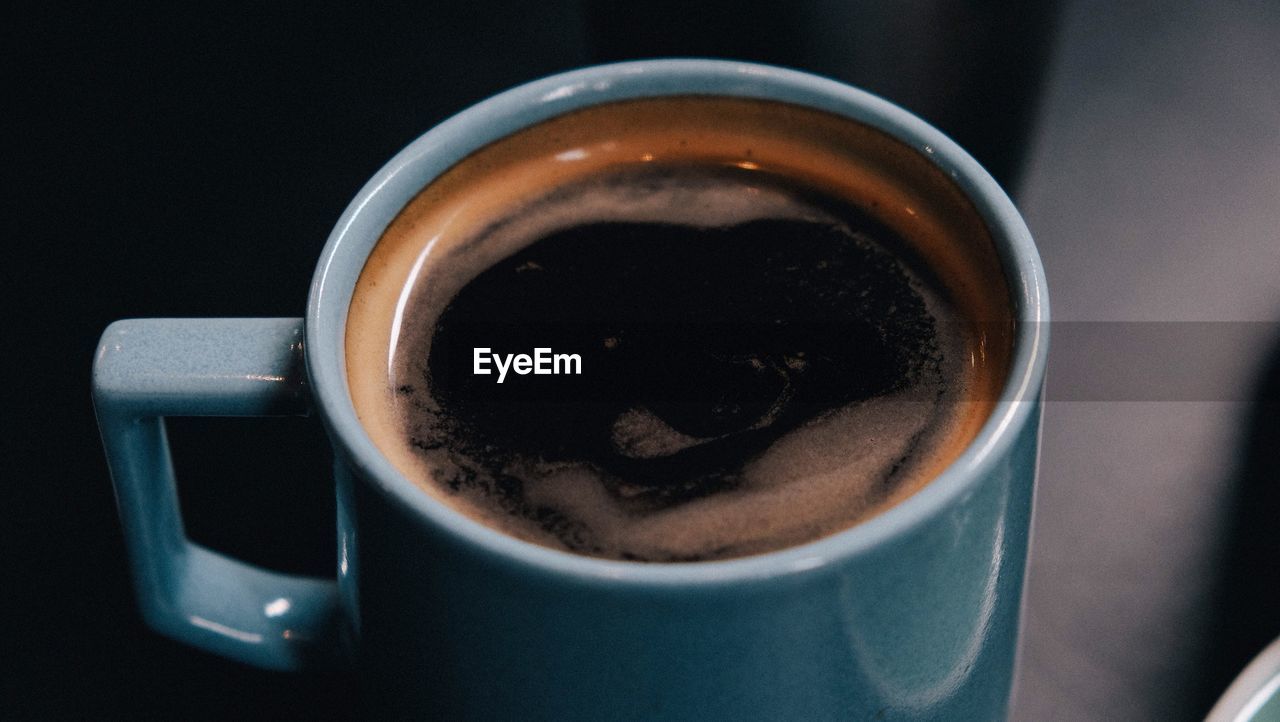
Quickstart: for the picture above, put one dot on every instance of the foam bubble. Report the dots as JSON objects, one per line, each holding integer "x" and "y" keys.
{"x": 823, "y": 475}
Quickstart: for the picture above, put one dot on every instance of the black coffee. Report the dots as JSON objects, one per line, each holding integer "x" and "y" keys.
{"x": 674, "y": 360}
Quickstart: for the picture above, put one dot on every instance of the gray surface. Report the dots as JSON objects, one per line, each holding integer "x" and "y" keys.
{"x": 1154, "y": 194}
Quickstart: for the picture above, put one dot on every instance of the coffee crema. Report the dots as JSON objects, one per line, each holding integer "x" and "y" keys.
{"x": 787, "y": 322}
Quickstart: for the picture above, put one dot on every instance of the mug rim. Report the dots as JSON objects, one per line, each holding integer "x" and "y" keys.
{"x": 382, "y": 197}
{"x": 1256, "y": 686}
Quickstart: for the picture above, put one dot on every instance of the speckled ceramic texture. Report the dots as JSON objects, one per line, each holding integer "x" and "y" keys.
{"x": 911, "y": 615}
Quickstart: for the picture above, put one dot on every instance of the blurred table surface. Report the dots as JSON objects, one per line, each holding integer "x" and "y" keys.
{"x": 1152, "y": 188}
{"x": 1153, "y": 192}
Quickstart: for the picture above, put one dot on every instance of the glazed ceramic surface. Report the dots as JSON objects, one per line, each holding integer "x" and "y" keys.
{"x": 911, "y": 615}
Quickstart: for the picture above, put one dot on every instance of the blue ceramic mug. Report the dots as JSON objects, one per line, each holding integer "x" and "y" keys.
{"x": 912, "y": 614}
{"x": 1254, "y": 696}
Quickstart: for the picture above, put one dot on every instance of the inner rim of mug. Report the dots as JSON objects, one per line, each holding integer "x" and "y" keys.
{"x": 382, "y": 198}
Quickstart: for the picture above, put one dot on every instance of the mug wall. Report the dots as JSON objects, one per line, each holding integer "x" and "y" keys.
{"x": 923, "y": 626}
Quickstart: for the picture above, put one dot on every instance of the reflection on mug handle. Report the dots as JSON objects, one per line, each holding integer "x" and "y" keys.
{"x": 147, "y": 369}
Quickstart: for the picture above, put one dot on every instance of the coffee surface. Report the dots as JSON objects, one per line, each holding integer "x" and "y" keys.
{"x": 761, "y": 362}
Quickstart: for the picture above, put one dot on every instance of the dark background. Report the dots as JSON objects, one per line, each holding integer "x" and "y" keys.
{"x": 170, "y": 161}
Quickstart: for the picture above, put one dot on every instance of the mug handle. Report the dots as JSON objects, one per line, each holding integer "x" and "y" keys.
{"x": 146, "y": 369}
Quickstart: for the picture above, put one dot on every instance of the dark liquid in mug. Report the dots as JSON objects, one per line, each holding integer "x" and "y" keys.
{"x": 735, "y": 360}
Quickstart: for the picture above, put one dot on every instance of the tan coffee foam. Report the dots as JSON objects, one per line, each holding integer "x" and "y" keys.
{"x": 825, "y": 463}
